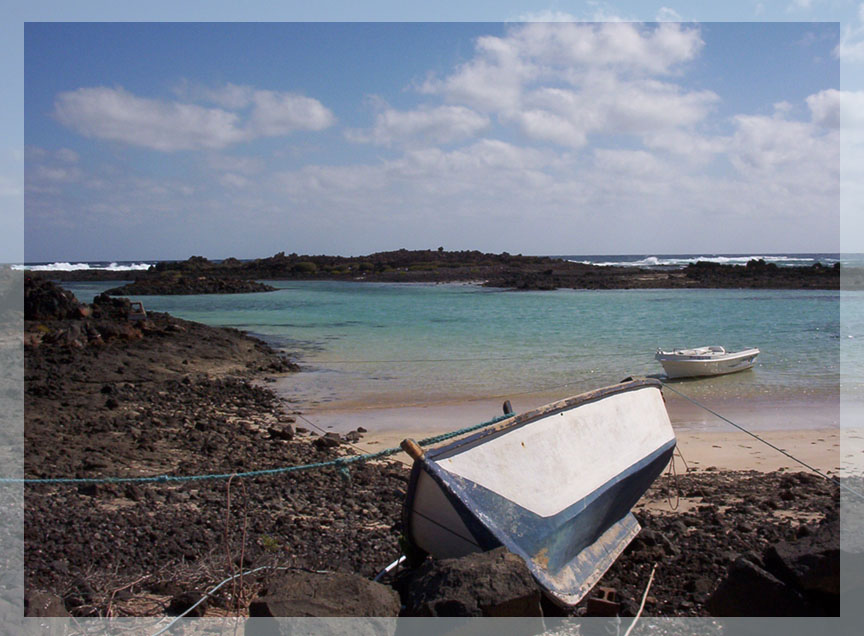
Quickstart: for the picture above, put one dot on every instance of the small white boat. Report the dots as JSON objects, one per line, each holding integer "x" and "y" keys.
{"x": 705, "y": 361}
{"x": 554, "y": 485}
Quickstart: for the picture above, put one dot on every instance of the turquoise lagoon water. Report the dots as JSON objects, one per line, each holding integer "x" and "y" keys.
{"x": 378, "y": 344}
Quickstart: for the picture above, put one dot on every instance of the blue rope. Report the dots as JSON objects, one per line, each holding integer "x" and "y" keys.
{"x": 341, "y": 464}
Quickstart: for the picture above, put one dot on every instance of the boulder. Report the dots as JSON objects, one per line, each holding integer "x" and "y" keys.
{"x": 328, "y": 440}
{"x": 495, "y": 583}
{"x": 812, "y": 563}
{"x": 283, "y": 432}
{"x": 300, "y": 593}
{"x": 44, "y": 604}
{"x": 748, "y": 590}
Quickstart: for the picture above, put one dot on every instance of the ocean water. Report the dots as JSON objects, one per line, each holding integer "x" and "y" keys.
{"x": 382, "y": 345}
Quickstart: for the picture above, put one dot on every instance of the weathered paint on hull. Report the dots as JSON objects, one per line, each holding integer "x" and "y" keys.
{"x": 462, "y": 499}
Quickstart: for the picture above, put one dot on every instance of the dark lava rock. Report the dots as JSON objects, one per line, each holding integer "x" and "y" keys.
{"x": 812, "y": 563}
{"x": 328, "y": 440}
{"x": 184, "y": 601}
{"x": 43, "y": 300}
{"x": 748, "y": 590}
{"x": 43, "y": 604}
{"x": 169, "y": 285}
{"x": 302, "y": 593}
{"x": 285, "y": 432}
{"x": 494, "y": 583}
{"x": 801, "y": 577}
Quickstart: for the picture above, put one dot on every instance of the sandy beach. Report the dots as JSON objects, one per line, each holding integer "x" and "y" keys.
{"x": 807, "y": 430}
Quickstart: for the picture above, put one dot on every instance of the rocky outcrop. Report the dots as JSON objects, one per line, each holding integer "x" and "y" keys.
{"x": 759, "y": 274}
{"x": 187, "y": 285}
{"x": 43, "y": 300}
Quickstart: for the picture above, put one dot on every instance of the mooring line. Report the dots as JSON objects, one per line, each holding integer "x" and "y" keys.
{"x": 341, "y": 463}
{"x": 764, "y": 441}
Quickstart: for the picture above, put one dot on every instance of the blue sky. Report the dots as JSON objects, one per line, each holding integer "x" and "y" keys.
{"x": 165, "y": 140}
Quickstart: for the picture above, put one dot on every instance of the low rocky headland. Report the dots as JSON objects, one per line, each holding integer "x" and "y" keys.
{"x": 494, "y": 270}
{"x": 106, "y": 396}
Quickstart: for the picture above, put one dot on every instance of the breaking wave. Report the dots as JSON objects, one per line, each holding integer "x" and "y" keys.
{"x": 72, "y": 267}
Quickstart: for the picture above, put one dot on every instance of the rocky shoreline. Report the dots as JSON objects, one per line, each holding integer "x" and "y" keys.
{"x": 494, "y": 270}
{"x": 180, "y": 285}
{"x": 106, "y": 397}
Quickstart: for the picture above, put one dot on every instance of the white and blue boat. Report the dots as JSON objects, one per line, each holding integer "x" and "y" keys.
{"x": 705, "y": 361}
{"x": 554, "y": 485}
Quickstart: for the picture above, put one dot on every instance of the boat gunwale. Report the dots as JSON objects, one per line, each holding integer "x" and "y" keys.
{"x": 566, "y": 404}
{"x": 671, "y": 356}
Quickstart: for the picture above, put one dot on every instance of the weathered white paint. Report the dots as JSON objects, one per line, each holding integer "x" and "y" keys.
{"x": 550, "y": 464}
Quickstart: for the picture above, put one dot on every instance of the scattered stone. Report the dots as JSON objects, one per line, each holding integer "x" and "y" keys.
{"x": 328, "y": 440}
{"x": 286, "y": 432}
{"x": 495, "y": 583}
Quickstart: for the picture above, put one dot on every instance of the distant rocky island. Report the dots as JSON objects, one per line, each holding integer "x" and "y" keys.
{"x": 176, "y": 283}
{"x": 200, "y": 275}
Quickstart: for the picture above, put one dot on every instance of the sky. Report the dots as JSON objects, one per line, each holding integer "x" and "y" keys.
{"x": 578, "y": 129}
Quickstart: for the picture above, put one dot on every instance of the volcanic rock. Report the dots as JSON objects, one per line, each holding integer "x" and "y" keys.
{"x": 301, "y": 593}
{"x": 44, "y": 604}
{"x": 494, "y": 583}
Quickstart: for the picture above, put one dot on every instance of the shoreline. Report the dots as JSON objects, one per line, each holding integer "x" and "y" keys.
{"x": 809, "y": 430}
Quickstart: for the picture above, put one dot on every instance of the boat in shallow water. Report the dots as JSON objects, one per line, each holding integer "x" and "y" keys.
{"x": 705, "y": 361}
{"x": 554, "y": 485}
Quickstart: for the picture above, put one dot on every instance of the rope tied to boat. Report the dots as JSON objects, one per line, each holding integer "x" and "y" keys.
{"x": 341, "y": 464}
{"x": 833, "y": 480}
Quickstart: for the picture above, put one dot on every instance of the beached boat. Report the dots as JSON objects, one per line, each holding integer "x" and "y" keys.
{"x": 705, "y": 361}
{"x": 554, "y": 485}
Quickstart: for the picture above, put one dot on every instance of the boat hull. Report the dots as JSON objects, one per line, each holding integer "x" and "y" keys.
{"x": 555, "y": 486}
{"x": 682, "y": 367}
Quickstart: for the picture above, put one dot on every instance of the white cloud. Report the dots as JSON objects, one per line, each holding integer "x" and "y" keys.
{"x": 230, "y": 96}
{"x": 834, "y": 109}
{"x": 761, "y": 143}
{"x": 665, "y": 14}
{"x": 276, "y": 114}
{"x": 693, "y": 147}
{"x": 67, "y": 156}
{"x": 630, "y": 162}
{"x": 238, "y": 164}
{"x": 233, "y": 180}
{"x": 117, "y": 115}
{"x": 425, "y": 125}
{"x": 544, "y": 125}
{"x": 626, "y": 46}
{"x": 10, "y": 186}
{"x": 851, "y": 46}
{"x": 561, "y": 83}
{"x": 47, "y": 170}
